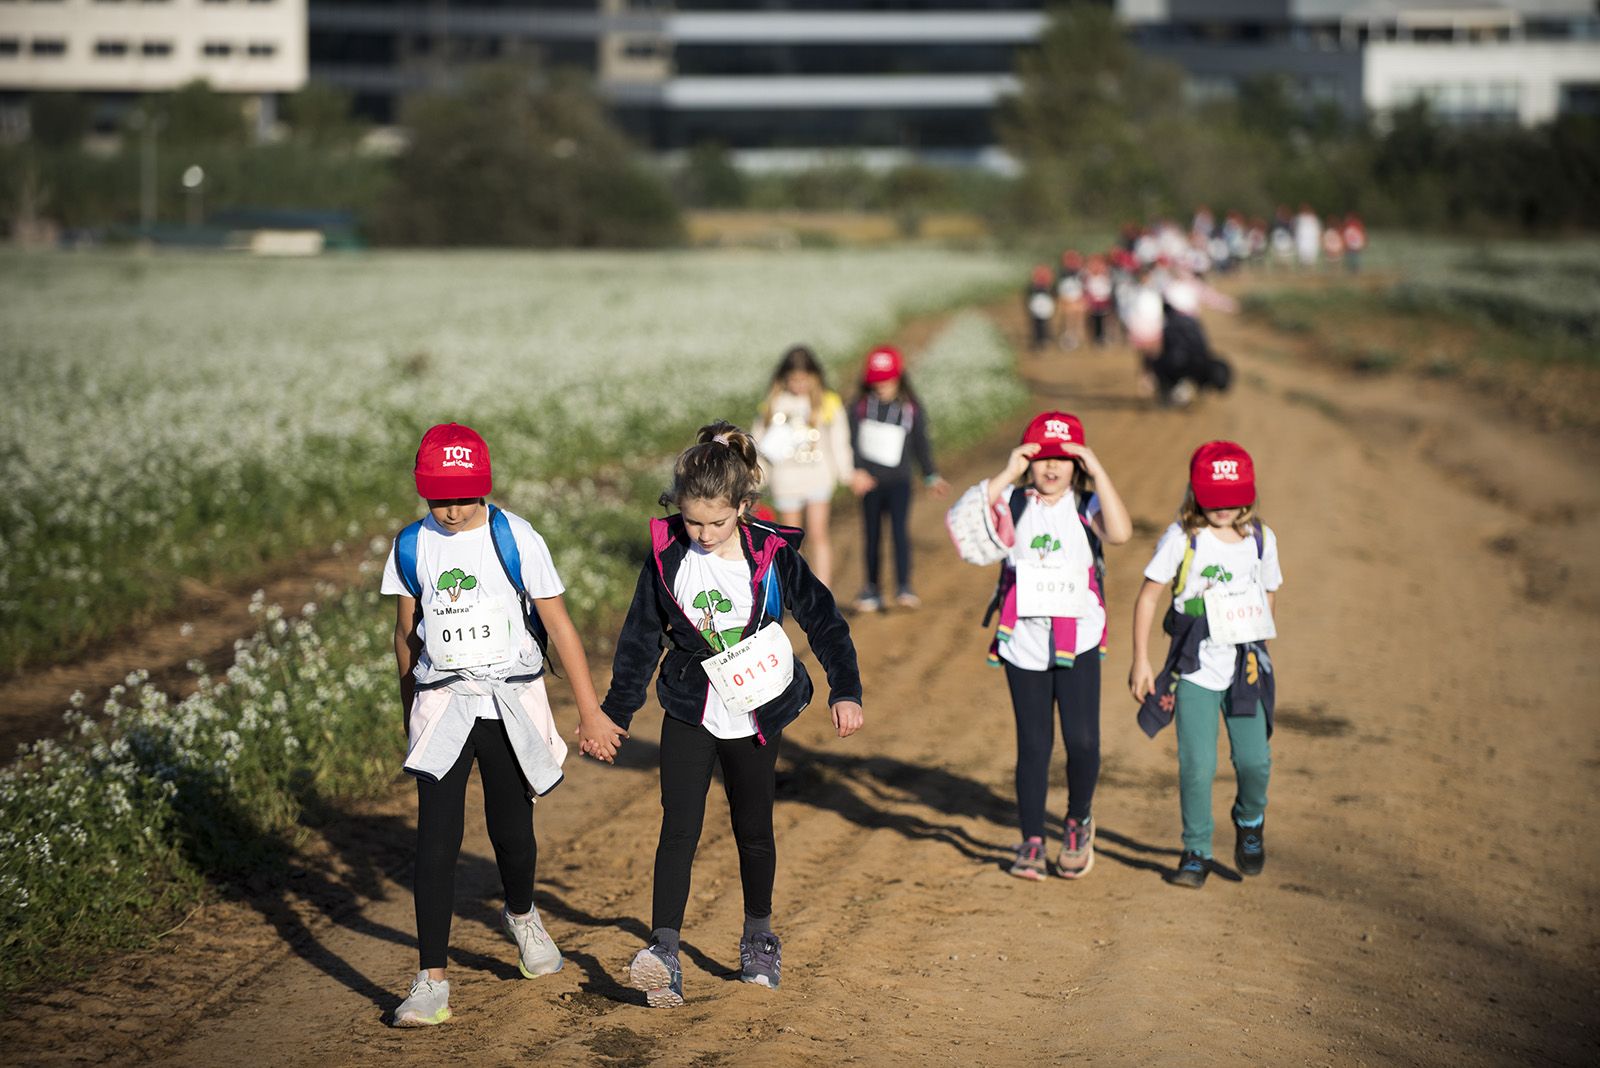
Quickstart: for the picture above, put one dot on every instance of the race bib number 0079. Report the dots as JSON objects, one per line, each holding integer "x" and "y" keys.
{"x": 1052, "y": 589}
{"x": 1239, "y": 615}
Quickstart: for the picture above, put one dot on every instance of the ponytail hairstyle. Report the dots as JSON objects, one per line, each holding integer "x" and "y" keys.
{"x": 722, "y": 465}
{"x": 798, "y": 358}
{"x": 1192, "y": 518}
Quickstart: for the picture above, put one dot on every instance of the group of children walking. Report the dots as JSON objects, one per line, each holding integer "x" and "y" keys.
{"x": 478, "y": 603}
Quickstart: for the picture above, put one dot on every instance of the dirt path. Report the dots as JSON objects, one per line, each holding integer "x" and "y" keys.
{"x": 1430, "y": 898}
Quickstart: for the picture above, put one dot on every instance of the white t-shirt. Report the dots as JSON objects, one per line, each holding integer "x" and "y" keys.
{"x": 1230, "y": 565}
{"x": 440, "y": 553}
{"x": 1031, "y": 647}
{"x": 715, "y": 593}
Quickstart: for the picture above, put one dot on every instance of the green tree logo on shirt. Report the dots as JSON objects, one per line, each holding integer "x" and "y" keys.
{"x": 711, "y": 602}
{"x": 1216, "y": 575}
{"x": 1045, "y": 544}
{"x": 455, "y": 581}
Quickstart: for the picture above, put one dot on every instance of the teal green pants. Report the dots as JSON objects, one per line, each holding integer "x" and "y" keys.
{"x": 1197, "y": 713}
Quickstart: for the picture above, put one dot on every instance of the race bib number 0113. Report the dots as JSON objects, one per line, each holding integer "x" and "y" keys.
{"x": 469, "y": 636}
{"x": 1239, "y": 615}
{"x": 754, "y": 671}
{"x": 1052, "y": 589}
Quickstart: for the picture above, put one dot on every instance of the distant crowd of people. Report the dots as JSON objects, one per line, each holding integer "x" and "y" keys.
{"x": 1146, "y": 291}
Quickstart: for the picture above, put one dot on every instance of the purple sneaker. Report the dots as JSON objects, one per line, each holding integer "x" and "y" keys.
{"x": 760, "y": 959}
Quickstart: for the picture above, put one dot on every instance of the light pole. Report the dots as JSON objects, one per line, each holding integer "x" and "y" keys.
{"x": 194, "y": 178}
{"x": 149, "y": 126}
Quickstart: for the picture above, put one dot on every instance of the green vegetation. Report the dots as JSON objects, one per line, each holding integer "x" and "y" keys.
{"x": 1107, "y": 134}
{"x": 111, "y": 834}
{"x": 1522, "y": 301}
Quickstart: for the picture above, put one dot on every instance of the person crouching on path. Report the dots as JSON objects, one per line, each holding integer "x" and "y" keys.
{"x": 713, "y": 590}
{"x": 1220, "y": 564}
{"x": 477, "y": 599}
{"x": 1054, "y": 505}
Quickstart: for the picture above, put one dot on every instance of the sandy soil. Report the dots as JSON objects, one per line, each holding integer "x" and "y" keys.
{"x": 1432, "y": 886}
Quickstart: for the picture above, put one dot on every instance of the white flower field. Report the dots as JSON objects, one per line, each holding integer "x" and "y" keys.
{"x": 202, "y": 417}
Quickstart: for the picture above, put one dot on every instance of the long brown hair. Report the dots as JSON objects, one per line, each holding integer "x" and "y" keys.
{"x": 798, "y": 358}
{"x": 1192, "y": 518}
{"x": 721, "y": 465}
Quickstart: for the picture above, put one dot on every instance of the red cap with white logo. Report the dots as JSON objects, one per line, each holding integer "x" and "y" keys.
{"x": 883, "y": 365}
{"x": 452, "y": 463}
{"x": 1050, "y": 431}
{"x": 1222, "y": 476}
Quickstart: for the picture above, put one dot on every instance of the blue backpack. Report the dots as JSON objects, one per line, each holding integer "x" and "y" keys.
{"x": 505, "y": 547}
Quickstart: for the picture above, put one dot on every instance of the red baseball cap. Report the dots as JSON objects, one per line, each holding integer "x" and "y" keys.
{"x": 452, "y": 462}
{"x": 1222, "y": 475}
{"x": 1050, "y": 431}
{"x": 884, "y": 364}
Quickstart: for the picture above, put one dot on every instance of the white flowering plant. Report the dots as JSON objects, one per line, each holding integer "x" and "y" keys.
{"x": 146, "y": 800}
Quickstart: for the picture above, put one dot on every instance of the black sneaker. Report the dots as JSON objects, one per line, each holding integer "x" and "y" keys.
{"x": 760, "y": 959}
{"x": 1250, "y": 847}
{"x": 1192, "y": 871}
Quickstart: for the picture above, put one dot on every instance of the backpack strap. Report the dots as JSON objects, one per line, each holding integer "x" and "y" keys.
{"x": 1182, "y": 579}
{"x": 405, "y": 558}
{"x": 1261, "y": 539}
{"x": 773, "y": 597}
{"x": 505, "y": 547}
{"x": 1096, "y": 550}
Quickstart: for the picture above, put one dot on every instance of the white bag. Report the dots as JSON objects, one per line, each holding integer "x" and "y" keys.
{"x": 970, "y": 522}
{"x": 781, "y": 440}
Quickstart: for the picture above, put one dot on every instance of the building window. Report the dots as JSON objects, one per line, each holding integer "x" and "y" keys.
{"x": 644, "y": 48}
{"x": 48, "y": 46}
{"x": 111, "y": 49}
{"x": 262, "y": 49}
{"x": 216, "y": 49}
{"x": 156, "y": 49}
{"x": 9, "y": 46}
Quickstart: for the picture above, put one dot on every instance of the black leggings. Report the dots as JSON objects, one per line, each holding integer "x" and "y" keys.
{"x": 688, "y": 751}
{"x": 1075, "y": 691}
{"x": 896, "y": 497}
{"x": 441, "y": 812}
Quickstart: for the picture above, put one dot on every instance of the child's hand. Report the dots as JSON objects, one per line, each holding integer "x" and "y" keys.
{"x": 599, "y": 737}
{"x": 1017, "y": 465}
{"x": 1091, "y": 462}
{"x": 862, "y": 483}
{"x": 939, "y": 487}
{"x": 1141, "y": 680}
{"x": 847, "y": 717}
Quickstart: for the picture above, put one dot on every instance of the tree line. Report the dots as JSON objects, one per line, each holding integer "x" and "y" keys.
{"x": 514, "y": 156}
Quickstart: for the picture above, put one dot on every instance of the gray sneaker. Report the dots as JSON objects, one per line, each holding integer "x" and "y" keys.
{"x": 428, "y": 1003}
{"x": 760, "y": 959}
{"x": 536, "y": 951}
{"x": 656, "y": 972}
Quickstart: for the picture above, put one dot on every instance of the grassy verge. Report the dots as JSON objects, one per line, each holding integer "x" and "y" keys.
{"x": 182, "y": 423}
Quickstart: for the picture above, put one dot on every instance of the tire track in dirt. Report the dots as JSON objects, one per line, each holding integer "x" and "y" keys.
{"x": 1431, "y": 895}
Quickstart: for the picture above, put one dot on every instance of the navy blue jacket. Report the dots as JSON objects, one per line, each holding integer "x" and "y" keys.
{"x": 656, "y": 620}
